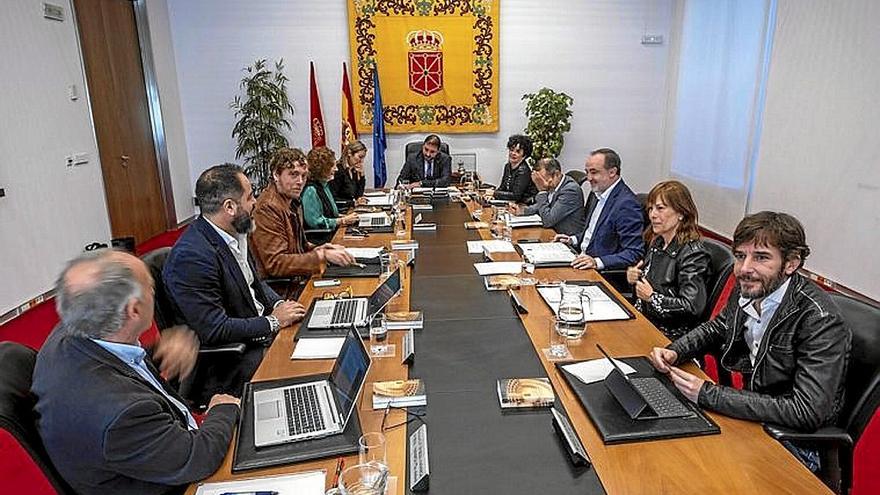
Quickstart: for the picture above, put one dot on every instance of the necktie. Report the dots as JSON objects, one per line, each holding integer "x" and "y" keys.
{"x": 429, "y": 169}
{"x": 592, "y": 201}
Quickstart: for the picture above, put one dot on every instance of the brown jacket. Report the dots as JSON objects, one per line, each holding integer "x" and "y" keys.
{"x": 278, "y": 241}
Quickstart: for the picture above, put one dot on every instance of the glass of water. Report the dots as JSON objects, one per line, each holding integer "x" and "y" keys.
{"x": 558, "y": 348}
{"x": 361, "y": 479}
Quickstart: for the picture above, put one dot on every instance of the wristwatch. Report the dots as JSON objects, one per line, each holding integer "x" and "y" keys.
{"x": 274, "y": 324}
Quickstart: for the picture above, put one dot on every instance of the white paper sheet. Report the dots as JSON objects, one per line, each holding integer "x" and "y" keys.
{"x": 317, "y": 348}
{"x": 499, "y": 267}
{"x": 595, "y": 370}
{"x": 547, "y": 252}
{"x": 493, "y": 246}
{"x": 422, "y": 207}
{"x": 525, "y": 221}
{"x": 384, "y": 200}
{"x": 596, "y": 303}
{"x": 311, "y": 483}
{"x": 364, "y": 253}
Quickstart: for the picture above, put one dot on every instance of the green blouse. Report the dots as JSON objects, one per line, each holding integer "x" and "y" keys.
{"x": 313, "y": 211}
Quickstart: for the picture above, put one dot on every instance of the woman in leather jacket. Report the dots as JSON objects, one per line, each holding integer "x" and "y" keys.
{"x": 670, "y": 283}
{"x": 516, "y": 183}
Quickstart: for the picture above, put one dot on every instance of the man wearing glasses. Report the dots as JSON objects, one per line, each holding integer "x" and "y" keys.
{"x": 212, "y": 280}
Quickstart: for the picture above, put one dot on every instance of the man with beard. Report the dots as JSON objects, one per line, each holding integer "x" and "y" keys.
{"x": 612, "y": 235}
{"x": 779, "y": 329}
{"x": 212, "y": 280}
{"x": 279, "y": 240}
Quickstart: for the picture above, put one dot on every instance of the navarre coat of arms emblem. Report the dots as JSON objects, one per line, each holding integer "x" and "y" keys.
{"x": 425, "y": 61}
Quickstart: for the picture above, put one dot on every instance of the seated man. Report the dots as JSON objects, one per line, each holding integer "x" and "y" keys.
{"x": 559, "y": 202}
{"x": 108, "y": 420}
{"x": 427, "y": 168}
{"x": 212, "y": 280}
{"x": 779, "y": 329}
{"x": 279, "y": 241}
{"x": 612, "y": 234}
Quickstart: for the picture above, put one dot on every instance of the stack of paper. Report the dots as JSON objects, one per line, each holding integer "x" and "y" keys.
{"x": 318, "y": 348}
{"x": 365, "y": 253}
{"x": 597, "y": 306}
{"x": 492, "y": 246}
{"x": 311, "y": 483}
{"x": 525, "y": 221}
{"x": 499, "y": 267}
{"x": 595, "y": 370}
{"x": 384, "y": 200}
{"x": 547, "y": 253}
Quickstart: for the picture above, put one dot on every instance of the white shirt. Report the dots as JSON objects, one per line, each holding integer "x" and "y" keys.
{"x": 238, "y": 246}
{"x": 756, "y": 325}
{"x": 555, "y": 190}
{"x": 594, "y": 219}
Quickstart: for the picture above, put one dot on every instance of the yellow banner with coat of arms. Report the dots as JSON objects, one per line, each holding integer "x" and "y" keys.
{"x": 437, "y": 59}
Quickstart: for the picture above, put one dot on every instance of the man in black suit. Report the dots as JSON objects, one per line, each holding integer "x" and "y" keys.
{"x": 212, "y": 279}
{"x": 427, "y": 168}
{"x": 108, "y": 420}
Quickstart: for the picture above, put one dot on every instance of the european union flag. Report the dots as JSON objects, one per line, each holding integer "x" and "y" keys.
{"x": 380, "y": 173}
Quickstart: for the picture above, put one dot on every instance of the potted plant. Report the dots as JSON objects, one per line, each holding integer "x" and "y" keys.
{"x": 262, "y": 114}
{"x": 549, "y": 117}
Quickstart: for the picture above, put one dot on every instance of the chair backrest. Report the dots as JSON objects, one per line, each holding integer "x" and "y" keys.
{"x": 416, "y": 146}
{"x": 25, "y": 467}
{"x": 720, "y": 268}
{"x": 642, "y": 198}
{"x": 166, "y": 315}
{"x": 578, "y": 176}
{"x": 863, "y": 373}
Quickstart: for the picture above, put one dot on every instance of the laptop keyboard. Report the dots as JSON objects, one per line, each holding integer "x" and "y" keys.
{"x": 303, "y": 411}
{"x": 344, "y": 311}
{"x": 659, "y": 397}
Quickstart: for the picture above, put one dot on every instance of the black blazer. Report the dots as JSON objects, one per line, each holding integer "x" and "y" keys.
{"x": 208, "y": 290}
{"x": 414, "y": 170}
{"x": 516, "y": 184}
{"x": 107, "y": 430}
{"x": 345, "y": 188}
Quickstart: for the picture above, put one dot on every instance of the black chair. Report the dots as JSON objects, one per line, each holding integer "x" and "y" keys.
{"x": 25, "y": 467}
{"x": 860, "y": 401}
{"x": 579, "y": 176}
{"x": 642, "y": 198}
{"x": 416, "y": 146}
{"x": 166, "y": 316}
{"x": 720, "y": 267}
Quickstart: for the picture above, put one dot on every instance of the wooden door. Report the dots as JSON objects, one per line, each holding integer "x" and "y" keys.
{"x": 117, "y": 93}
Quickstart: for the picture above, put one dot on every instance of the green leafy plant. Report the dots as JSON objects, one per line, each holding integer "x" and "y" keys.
{"x": 549, "y": 117}
{"x": 262, "y": 115}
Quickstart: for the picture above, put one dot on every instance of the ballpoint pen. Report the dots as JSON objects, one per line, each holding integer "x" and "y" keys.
{"x": 359, "y": 265}
{"x": 340, "y": 462}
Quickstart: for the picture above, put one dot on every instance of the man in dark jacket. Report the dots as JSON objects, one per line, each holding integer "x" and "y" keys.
{"x": 430, "y": 167}
{"x": 213, "y": 282}
{"x": 779, "y": 329}
{"x": 108, "y": 420}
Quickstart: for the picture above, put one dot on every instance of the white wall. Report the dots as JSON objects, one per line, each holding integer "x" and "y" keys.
{"x": 165, "y": 67}
{"x": 588, "y": 49}
{"x": 819, "y": 155}
{"x": 50, "y": 211}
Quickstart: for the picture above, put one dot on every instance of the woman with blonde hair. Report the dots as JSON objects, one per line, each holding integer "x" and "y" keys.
{"x": 670, "y": 283}
{"x": 349, "y": 181}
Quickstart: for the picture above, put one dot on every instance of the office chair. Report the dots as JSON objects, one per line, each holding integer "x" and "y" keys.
{"x": 416, "y": 146}
{"x": 579, "y": 176}
{"x": 720, "y": 270}
{"x": 861, "y": 398}
{"x": 166, "y": 316}
{"x": 25, "y": 467}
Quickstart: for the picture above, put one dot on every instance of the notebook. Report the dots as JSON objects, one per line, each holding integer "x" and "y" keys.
{"x": 313, "y": 409}
{"x": 358, "y": 311}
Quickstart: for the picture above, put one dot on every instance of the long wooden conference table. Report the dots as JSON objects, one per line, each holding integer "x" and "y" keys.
{"x": 471, "y": 338}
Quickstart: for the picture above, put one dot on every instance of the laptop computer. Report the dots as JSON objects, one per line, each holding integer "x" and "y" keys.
{"x": 374, "y": 220}
{"x": 313, "y": 409}
{"x": 357, "y": 311}
{"x": 643, "y": 397}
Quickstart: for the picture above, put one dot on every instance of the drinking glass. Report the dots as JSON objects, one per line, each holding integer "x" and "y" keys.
{"x": 361, "y": 479}
{"x": 371, "y": 449}
{"x": 557, "y": 347}
{"x": 378, "y": 333}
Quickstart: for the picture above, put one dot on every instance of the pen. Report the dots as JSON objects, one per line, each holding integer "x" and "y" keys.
{"x": 339, "y": 463}
{"x": 359, "y": 265}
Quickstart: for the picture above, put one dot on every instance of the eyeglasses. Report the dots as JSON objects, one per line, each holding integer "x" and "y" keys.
{"x": 343, "y": 294}
{"x": 415, "y": 416}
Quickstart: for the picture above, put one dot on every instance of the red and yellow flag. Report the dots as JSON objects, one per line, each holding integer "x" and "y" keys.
{"x": 316, "y": 117}
{"x": 349, "y": 125}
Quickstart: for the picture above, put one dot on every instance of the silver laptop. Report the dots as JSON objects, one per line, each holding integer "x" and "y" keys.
{"x": 357, "y": 311}
{"x": 373, "y": 220}
{"x": 314, "y": 409}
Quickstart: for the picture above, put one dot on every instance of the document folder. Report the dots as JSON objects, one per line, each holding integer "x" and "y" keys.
{"x": 615, "y": 424}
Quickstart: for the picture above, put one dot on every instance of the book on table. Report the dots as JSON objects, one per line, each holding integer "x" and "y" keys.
{"x": 502, "y": 282}
{"x": 404, "y": 320}
{"x": 399, "y": 393}
{"x": 525, "y": 393}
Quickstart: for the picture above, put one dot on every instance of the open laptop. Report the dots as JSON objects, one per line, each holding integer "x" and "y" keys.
{"x": 643, "y": 397}
{"x": 313, "y": 409}
{"x": 357, "y": 311}
{"x": 374, "y": 220}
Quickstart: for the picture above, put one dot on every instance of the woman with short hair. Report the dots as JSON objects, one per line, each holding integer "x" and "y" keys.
{"x": 319, "y": 206}
{"x": 670, "y": 283}
{"x": 516, "y": 183}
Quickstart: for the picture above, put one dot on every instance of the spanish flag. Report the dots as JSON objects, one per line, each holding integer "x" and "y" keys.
{"x": 349, "y": 125}
{"x": 316, "y": 117}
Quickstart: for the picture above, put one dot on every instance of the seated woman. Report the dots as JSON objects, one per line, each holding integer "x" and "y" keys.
{"x": 670, "y": 283}
{"x": 279, "y": 244}
{"x": 516, "y": 183}
{"x": 349, "y": 181}
{"x": 319, "y": 206}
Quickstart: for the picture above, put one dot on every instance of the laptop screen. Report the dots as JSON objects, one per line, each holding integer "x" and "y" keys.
{"x": 349, "y": 373}
{"x": 384, "y": 293}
